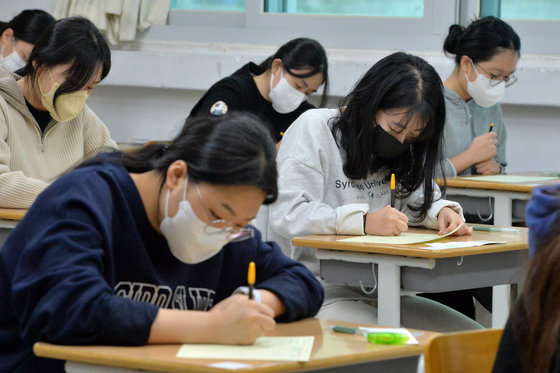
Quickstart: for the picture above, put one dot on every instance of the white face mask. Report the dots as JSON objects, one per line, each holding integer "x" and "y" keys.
{"x": 13, "y": 61}
{"x": 284, "y": 97}
{"x": 188, "y": 237}
{"x": 482, "y": 92}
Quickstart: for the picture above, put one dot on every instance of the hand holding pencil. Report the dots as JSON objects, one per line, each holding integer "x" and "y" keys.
{"x": 387, "y": 221}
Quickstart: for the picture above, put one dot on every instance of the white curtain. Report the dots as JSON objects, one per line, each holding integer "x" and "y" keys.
{"x": 117, "y": 19}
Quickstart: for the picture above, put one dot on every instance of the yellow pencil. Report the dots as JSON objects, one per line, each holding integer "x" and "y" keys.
{"x": 251, "y": 277}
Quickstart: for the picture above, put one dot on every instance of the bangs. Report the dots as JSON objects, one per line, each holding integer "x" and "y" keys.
{"x": 78, "y": 75}
{"x": 420, "y": 117}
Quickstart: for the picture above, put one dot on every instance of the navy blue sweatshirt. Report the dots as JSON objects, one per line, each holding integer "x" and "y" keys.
{"x": 86, "y": 267}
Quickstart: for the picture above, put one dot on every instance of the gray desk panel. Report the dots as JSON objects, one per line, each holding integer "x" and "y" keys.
{"x": 474, "y": 271}
{"x": 470, "y": 272}
{"x": 480, "y": 205}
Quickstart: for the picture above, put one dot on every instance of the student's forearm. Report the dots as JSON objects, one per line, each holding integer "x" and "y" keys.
{"x": 271, "y": 300}
{"x": 176, "y": 326}
{"x": 462, "y": 161}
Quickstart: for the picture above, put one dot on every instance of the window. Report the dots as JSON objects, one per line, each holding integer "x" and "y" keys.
{"x": 536, "y": 21}
{"x": 410, "y": 25}
{"x": 211, "y": 5}
{"x": 373, "y": 8}
{"x": 522, "y": 9}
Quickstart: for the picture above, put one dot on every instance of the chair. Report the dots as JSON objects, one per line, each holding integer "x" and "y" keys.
{"x": 469, "y": 351}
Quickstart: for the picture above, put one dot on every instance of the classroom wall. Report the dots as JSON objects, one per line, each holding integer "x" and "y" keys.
{"x": 153, "y": 85}
{"x": 533, "y": 131}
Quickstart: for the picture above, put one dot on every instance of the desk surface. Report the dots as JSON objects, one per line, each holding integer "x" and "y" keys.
{"x": 12, "y": 214}
{"x": 330, "y": 349}
{"x": 459, "y": 182}
{"x": 514, "y": 241}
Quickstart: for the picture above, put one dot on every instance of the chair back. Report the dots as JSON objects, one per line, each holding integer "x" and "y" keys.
{"x": 463, "y": 352}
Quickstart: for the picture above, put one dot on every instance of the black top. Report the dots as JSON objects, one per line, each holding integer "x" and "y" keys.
{"x": 43, "y": 118}
{"x": 511, "y": 351}
{"x": 240, "y": 93}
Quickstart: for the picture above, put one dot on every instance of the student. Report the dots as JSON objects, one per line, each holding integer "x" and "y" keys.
{"x": 45, "y": 125}
{"x": 276, "y": 90}
{"x": 530, "y": 339}
{"x": 335, "y": 164}
{"x": 20, "y": 35}
{"x": 486, "y": 55}
{"x": 132, "y": 248}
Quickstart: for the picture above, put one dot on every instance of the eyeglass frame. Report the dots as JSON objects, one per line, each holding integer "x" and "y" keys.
{"x": 511, "y": 80}
{"x": 233, "y": 234}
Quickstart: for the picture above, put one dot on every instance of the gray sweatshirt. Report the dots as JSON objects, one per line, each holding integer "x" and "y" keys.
{"x": 316, "y": 197}
{"x": 465, "y": 121}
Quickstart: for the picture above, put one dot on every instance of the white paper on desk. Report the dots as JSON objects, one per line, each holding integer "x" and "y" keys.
{"x": 411, "y": 339}
{"x": 458, "y": 245}
{"x": 402, "y": 239}
{"x": 264, "y": 348}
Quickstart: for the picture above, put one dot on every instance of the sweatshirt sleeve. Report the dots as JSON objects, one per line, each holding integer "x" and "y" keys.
{"x": 299, "y": 209}
{"x": 16, "y": 189}
{"x": 447, "y": 169}
{"x": 58, "y": 288}
{"x": 290, "y": 280}
{"x": 502, "y": 139}
{"x": 96, "y": 135}
{"x": 431, "y": 219}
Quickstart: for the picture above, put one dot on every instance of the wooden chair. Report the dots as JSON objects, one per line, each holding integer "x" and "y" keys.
{"x": 463, "y": 352}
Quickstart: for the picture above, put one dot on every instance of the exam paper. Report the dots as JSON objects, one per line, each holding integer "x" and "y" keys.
{"x": 402, "y": 239}
{"x": 510, "y": 178}
{"x": 458, "y": 245}
{"x": 264, "y": 348}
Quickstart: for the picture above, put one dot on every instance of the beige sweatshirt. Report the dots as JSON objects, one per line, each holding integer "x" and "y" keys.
{"x": 29, "y": 159}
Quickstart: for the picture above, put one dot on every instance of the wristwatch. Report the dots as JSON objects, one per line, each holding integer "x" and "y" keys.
{"x": 245, "y": 290}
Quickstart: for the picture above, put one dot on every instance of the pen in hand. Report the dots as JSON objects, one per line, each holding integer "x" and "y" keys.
{"x": 392, "y": 190}
{"x": 491, "y": 126}
{"x": 251, "y": 277}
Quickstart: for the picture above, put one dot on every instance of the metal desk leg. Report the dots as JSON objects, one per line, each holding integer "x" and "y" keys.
{"x": 500, "y": 305}
{"x": 502, "y": 210}
{"x": 389, "y": 295}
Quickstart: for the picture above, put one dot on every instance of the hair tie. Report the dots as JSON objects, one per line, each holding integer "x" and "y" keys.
{"x": 164, "y": 148}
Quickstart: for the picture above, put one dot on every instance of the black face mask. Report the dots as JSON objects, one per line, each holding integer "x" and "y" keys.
{"x": 385, "y": 145}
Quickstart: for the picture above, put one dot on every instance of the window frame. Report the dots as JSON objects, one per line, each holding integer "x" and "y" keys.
{"x": 254, "y": 26}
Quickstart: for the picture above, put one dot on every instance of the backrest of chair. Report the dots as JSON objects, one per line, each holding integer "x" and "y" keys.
{"x": 470, "y": 351}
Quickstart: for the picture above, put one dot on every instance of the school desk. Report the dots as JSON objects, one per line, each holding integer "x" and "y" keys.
{"x": 415, "y": 269}
{"x": 343, "y": 352}
{"x": 505, "y": 195}
{"x": 10, "y": 217}
{"x": 8, "y": 220}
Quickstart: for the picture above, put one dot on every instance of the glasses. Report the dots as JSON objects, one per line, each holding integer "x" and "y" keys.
{"x": 233, "y": 233}
{"x": 509, "y": 81}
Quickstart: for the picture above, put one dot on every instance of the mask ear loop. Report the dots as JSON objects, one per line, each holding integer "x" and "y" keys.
{"x": 169, "y": 193}
{"x": 272, "y": 77}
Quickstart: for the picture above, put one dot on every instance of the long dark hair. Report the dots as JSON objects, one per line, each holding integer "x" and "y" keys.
{"x": 75, "y": 41}
{"x": 399, "y": 80}
{"x": 300, "y": 54}
{"x": 535, "y": 319}
{"x": 234, "y": 149}
{"x": 28, "y": 25}
{"x": 481, "y": 40}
